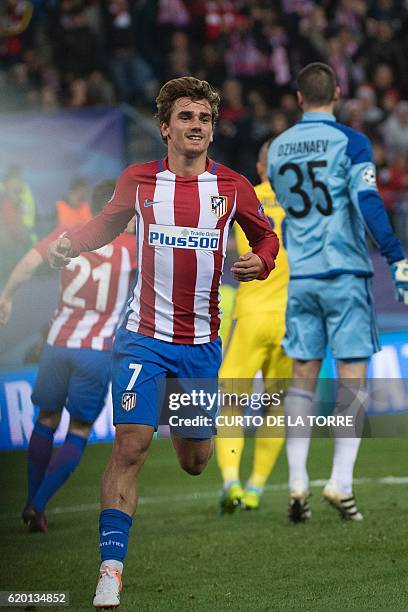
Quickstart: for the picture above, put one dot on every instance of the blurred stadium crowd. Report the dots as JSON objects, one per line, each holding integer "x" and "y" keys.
{"x": 71, "y": 54}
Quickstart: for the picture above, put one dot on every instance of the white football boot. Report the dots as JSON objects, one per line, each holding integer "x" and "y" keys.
{"x": 107, "y": 594}
{"x": 343, "y": 502}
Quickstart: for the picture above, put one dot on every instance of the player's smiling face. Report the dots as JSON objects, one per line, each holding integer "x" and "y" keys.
{"x": 190, "y": 130}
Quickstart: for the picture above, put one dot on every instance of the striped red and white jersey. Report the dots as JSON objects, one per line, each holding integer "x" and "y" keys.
{"x": 182, "y": 226}
{"x": 93, "y": 292}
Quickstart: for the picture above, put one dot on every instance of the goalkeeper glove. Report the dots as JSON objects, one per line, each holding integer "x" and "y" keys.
{"x": 399, "y": 273}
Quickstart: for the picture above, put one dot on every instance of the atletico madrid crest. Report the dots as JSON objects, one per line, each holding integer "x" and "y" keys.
{"x": 128, "y": 401}
{"x": 219, "y": 205}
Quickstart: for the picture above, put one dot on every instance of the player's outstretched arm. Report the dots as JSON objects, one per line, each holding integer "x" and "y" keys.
{"x": 248, "y": 267}
{"x": 57, "y": 253}
{"x": 22, "y": 272}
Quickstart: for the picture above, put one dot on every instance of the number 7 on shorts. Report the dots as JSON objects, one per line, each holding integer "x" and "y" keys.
{"x": 136, "y": 367}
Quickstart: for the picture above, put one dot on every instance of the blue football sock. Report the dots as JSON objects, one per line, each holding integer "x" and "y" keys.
{"x": 114, "y": 527}
{"x": 38, "y": 458}
{"x": 63, "y": 463}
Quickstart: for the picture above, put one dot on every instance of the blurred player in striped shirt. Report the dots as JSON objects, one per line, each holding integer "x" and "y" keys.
{"x": 74, "y": 368}
{"x": 185, "y": 205}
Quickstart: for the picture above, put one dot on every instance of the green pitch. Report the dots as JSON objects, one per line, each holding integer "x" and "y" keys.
{"x": 184, "y": 556}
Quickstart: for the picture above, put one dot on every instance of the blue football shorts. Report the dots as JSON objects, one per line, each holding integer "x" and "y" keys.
{"x": 75, "y": 378}
{"x": 337, "y": 311}
{"x": 144, "y": 368}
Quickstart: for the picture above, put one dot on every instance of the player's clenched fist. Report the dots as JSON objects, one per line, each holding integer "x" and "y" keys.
{"x": 57, "y": 253}
{"x": 248, "y": 267}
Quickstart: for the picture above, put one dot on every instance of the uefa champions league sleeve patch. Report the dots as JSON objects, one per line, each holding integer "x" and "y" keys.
{"x": 369, "y": 176}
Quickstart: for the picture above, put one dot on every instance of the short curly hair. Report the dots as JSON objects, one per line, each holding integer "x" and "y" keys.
{"x": 185, "y": 87}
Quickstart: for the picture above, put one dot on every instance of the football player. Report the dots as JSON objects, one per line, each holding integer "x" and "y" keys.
{"x": 74, "y": 369}
{"x": 184, "y": 206}
{"x": 324, "y": 176}
{"x": 254, "y": 345}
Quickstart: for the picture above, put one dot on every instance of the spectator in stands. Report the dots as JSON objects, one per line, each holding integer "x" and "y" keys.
{"x": 260, "y": 117}
{"x": 301, "y": 48}
{"x": 314, "y": 26}
{"x": 15, "y": 19}
{"x": 48, "y": 99}
{"x": 173, "y": 14}
{"x": 233, "y": 126}
{"x": 50, "y": 77}
{"x": 132, "y": 75}
{"x": 245, "y": 60}
{"x": 383, "y": 83}
{"x": 392, "y": 177}
{"x": 279, "y": 123}
{"x": 258, "y": 130}
{"x": 100, "y": 90}
{"x": 341, "y": 63}
{"x": 232, "y": 102}
{"x": 17, "y": 93}
{"x": 380, "y": 46}
{"x": 399, "y": 171}
{"x": 277, "y": 59}
{"x": 290, "y": 107}
{"x": 179, "y": 59}
{"x": 220, "y": 19}
{"x": 75, "y": 208}
{"x": 212, "y": 66}
{"x": 37, "y": 66}
{"x": 350, "y": 14}
{"x": 401, "y": 45}
{"x": 390, "y": 11}
{"x": 78, "y": 93}
{"x": 75, "y": 44}
{"x": 395, "y": 129}
{"x": 352, "y": 114}
{"x": 373, "y": 115}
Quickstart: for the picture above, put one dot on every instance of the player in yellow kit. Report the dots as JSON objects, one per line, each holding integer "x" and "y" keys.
{"x": 254, "y": 344}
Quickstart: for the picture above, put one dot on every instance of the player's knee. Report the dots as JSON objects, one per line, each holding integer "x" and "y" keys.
{"x": 191, "y": 466}
{"x": 50, "y": 419}
{"x": 80, "y": 428}
{"x": 307, "y": 371}
{"x": 194, "y": 464}
{"x": 130, "y": 450}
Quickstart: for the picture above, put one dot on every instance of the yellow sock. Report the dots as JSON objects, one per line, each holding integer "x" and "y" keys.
{"x": 229, "y": 452}
{"x": 266, "y": 453}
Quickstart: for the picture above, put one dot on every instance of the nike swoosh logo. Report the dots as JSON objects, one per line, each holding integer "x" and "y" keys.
{"x": 147, "y": 203}
{"x": 106, "y": 533}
